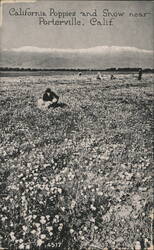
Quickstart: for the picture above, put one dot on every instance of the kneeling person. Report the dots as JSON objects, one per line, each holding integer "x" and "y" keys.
{"x": 50, "y": 98}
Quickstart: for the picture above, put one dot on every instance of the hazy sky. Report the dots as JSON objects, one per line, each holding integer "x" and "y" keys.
{"x": 19, "y": 31}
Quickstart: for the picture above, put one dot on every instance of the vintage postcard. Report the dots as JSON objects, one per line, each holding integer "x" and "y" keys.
{"x": 76, "y": 94}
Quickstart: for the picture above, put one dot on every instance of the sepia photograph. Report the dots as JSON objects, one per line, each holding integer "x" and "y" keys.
{"x": 76, "y": 125}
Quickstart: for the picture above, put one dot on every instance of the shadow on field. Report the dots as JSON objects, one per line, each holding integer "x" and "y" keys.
{"x": 58, "y": 105}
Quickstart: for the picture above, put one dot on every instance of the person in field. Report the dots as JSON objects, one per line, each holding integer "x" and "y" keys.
{"x": 113, "y": 77}
{"x": 99, "y": 76}
{"x": 50, "y": 96}
{"x": 140, "y": 74}
{"x": 49, "y": 99}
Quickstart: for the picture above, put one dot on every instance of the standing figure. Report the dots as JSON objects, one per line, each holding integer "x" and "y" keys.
{"x": 99, "y": 77}
{"x": 112, "y": 77}
{"x": 140, "y": 74}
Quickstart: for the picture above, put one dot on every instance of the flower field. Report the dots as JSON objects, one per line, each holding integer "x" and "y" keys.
{"x": 78, "y": 176}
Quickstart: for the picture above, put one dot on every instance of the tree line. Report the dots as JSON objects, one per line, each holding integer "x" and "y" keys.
{"x": 148, "y": 70}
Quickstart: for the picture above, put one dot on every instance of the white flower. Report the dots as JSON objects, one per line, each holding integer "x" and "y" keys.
{"x": 4, "y": 218}
{"x": 49, "y": 228}
{"x": 48, "y": 217}
{"x": 13, "y": 238}
{"x": 33, "y": 231}
{"x": 100, "y": 193}
{"x": 27, "y": 246}
{"x": 93, "y": 208}
{"x": 71, "y": 231}
{"x": 59, "y": 190}
{"x": 24, "y": 228}
{"x": 37, "y": 224}
{"x": 21, "y": 246}
{"x": 73, "y": 203}
{"x": 43, "y": 236}
{"x": 137, "y": 246}
{"x": 92, "y": 220}
{"x": 42, "y": 220}
{"x": 39, "y": 242}
{"x": 60, "y": 227}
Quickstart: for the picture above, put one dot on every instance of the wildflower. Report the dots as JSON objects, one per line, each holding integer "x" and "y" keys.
{"x": 59, "y": 190}
{"x": 60, "y": 227}
{"x": 27, "y": 246}
{"x": 137, "y": 245}
{"x": 93, "y": 208}
{"x": 70, "y": 176}
{"x": 43, "y": 236}
{"x": 42, "y": 220}
{"x": 92, "y": 220}
{"x": 21, "y": 240}
{"x": 73, "y": 203}
{"x": 37, "y": 224}
{"x": 49, "y": 228}
{"x": 82, "y": 238}
{"x": 71, "y": 231}
{"x": 38, "y": 232}
{"x": 56, "y": 219}
{"x": 48, "y": 217}
{"x": 3, "y": 219}
{"x": 21, "y": 246}
{"x": 100, "y": 193}
{"x": 13, "y": 238}
{"x": 39, "y": 242}
{"x": 33, "y": 231}
{"x": 4, "y": 208}
{"x": 24, "y": 228}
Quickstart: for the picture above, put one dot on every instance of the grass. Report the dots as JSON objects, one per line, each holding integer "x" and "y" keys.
{"x": 77, "y": 176}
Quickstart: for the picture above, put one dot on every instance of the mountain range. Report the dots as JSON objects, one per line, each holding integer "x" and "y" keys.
{"x": 100, "y": 57}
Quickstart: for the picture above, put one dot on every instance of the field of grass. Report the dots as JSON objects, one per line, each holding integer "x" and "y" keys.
{"x": 77, "y": 176}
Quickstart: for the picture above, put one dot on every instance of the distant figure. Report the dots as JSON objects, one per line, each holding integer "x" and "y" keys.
{"x": 99, "y": 77}
{"x": 112, "y": 77}
{"x": 50, "y": 96}
{"x": 140, "y": 74}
